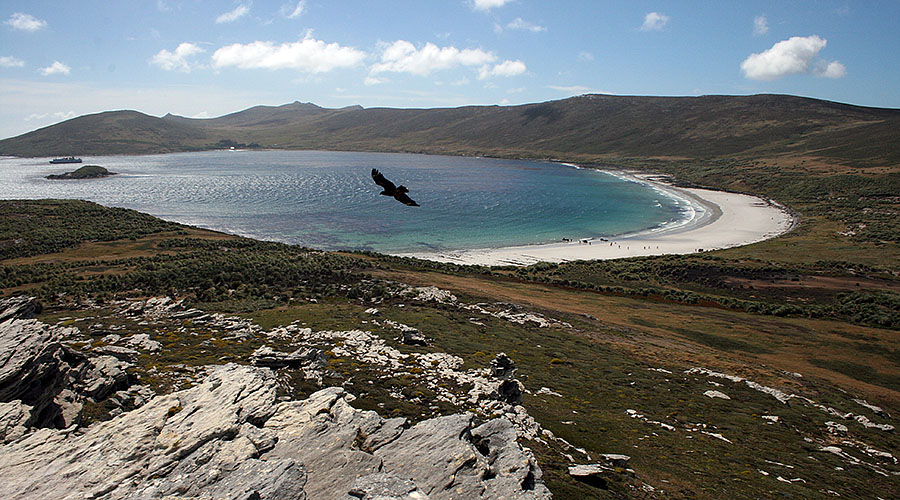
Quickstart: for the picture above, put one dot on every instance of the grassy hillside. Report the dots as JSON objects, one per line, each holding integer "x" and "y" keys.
{"x": 586, "y": 128}
{"x": 108, "y": 133}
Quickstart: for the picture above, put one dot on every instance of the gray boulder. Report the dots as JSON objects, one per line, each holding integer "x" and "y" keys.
{"x": 268, "y": 357}
{"x": 333, "y": 440}
{"x": 503, "y": 367}
{"x": 14, "y": 416}
{"x": 447, "y": 459}
{"x": 18, "y": 308}
{"x": 54, "y": 380}
{"x": 381, "y": 486}
{"x": 106, "y": 375}
{"x": 509, "y": 391}
{"x": 413, "y": 337}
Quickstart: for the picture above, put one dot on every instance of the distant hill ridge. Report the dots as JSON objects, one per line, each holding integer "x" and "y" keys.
{"x": 584, "y": 128}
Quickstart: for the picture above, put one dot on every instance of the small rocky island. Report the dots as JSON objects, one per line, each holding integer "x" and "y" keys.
{"x": 85, "y": 172}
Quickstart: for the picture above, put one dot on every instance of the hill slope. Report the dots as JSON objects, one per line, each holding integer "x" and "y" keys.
{"x": 110, "y": 132}
{"x": 585, "y": 127}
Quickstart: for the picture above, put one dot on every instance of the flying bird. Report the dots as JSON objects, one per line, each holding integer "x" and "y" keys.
{"x": 399, "y": 193}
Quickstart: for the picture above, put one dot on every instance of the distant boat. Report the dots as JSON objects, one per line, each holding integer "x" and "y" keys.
{"x": 67, "y": 159}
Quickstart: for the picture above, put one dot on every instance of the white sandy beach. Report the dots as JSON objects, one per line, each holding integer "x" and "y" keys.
{"x": 721, "y": 220}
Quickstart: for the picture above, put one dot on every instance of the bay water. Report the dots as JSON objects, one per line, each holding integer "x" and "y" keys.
{"x": 327, "y": 200}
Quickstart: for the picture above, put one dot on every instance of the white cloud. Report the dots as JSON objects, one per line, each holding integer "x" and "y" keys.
{"x": 11, "y": 62}
{"x": 57, "y": 68}
{"x": 293, "y": 11}
{"x": 59, "y": 115}
{"x": 760, "y": 25}
{"x": 573, "y": 89}
{"x": 794, "y": 56}
{"x": 506, "y": 68}
{"x": 403, "y": 57}
{"x": 585, "y": 56}
{"x": 371, "y": 80}
{"x": 488, "y": 4}
{"x": 654, "y": 21}
{"x": 520, "y": 24}
{"x": 25, "y": 22}
{"x": 178, "y": 60}
{"x": 309, "y": 54}
{"x": 238, "y": 12}
{"x": 831, "y": 69}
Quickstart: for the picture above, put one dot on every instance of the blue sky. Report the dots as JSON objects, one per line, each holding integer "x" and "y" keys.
{"x": 60, "y": 59}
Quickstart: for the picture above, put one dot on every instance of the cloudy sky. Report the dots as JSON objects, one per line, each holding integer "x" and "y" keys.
{"x": 60, "y": 59}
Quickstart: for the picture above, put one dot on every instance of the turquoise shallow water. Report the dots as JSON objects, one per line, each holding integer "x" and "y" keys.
{"x": 327, "y": 200}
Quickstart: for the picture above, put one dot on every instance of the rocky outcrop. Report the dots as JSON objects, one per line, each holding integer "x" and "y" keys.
{"x": 601, "y": 475}
{"x": 381, "y": 486}
{"x": 193, "y": 441}
{"x": 228, "y": 437}
{"x": 18, "y": 307}
{"x": 39, "y": 372}
{"x": 36, "y": 369}
{"x": 14, "y": 417}
{"x": 301, "y": 358}
{"x": 503, "y": 367}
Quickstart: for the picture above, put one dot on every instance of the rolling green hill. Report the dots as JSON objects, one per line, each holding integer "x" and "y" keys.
{"x": 584, "y": 128}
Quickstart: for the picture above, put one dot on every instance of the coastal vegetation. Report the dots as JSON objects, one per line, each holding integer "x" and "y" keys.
{"x": 617, "y": 357}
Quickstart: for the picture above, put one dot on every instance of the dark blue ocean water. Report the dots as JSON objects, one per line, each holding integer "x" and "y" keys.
{"x": 327, "y": 200}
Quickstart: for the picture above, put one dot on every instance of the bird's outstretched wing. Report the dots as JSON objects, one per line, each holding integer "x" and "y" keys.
{"x": 381, "y": 181}
{"x": 405, "y": 199}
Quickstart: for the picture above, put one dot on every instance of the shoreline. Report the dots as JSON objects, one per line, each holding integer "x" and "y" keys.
{"x": 721, "y": 220}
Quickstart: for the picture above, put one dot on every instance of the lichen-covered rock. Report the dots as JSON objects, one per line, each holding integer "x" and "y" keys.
{"x": 448, "y": 459}
{"x": 18, "y": 308}
{"x": 14, "y": 416}
{"x": 268, "y": 357}
{"x": 106, "y": 375}
{"x": 150, "y": 452}
{"x": 381, "y": 486}
{"x": 143, "y": 342}
{"x": 511, "y": 469}
{"x": 333, "y": 440}
{"x": 35, "y": 368}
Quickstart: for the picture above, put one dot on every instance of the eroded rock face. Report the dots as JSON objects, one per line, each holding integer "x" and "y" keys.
{"x": 184, "y": 443}
{"x": 228, "y": 437}
{"x": 14, "y": 417}
{"x": 18, "y": 307}
{"x": 35, "y": 369}
{"x": 53, "y": 380}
